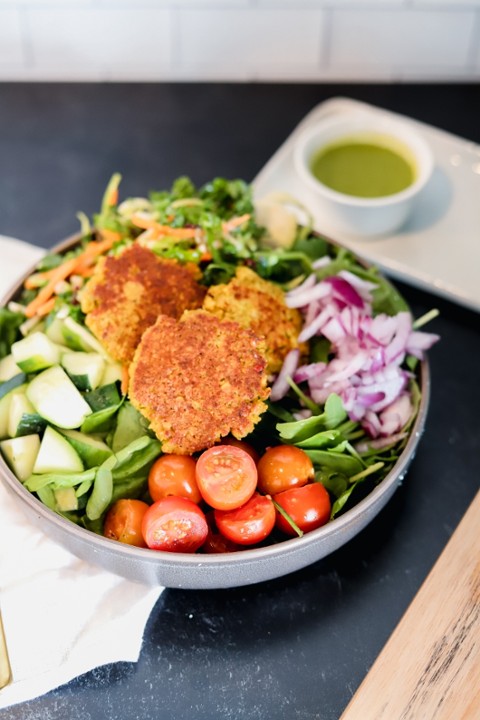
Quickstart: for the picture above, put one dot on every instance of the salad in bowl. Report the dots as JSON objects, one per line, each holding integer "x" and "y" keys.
{"x": 182, "y": 381}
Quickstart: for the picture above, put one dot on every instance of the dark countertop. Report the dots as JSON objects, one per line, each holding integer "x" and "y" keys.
{"x": 297, "y": 647}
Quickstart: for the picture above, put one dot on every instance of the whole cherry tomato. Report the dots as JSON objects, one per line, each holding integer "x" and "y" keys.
{"x": 226, "y": 476}
{"x": 308, "y": 506}
{"x": 173, "y": 475}
{"x": 174, "y": 524}
{"x": 123, "y": 522}
{"x": 283, "y": 467}
{"x": 249, "y": 524}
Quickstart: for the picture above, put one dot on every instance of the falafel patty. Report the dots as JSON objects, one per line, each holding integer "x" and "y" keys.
{"x": 129, "y": 291}
{"x": 198, "y": 379}
{"x": 258, "y": 304}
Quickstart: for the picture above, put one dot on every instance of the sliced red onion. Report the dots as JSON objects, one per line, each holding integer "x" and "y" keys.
{"x": 363, "y": 287}
{"x": 419, "y": 341}
{"x": 321, "y": 262}
{"x": 345, "y": 291}
{"x": 309, "y": 282}
{"x": 304, "y": 298}
{"x": 280, "y": 387}
{"x": 395, "y": 352}
{"x": 379, "y": 443}
{"x": 316, "y": 325}
{"x": 307, "y": 372}
{"x": 396, "y": 415}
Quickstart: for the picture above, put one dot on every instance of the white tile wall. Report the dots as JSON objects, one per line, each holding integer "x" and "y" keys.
{"x": 292, "y": 40}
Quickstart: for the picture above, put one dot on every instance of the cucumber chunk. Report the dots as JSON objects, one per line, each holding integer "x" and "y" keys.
{"x": 66, "y": 499}
{"x": 15, "y": 382}
{"x": 22, "y": 418}
{"x": 5, "y": 402}
{"x": 92, "y": 451}
{"x": 55, "y": 398}
{"x": 85, "y": 369}
{"x": 20, "y": 454}
{"x": 78, "y": 337}
{"x": 56, "y": 455}
{"x": 35, "y": 352}
{"x": 8, "y": 368}
{"x": 112, "y": 373}
{"x": 54, "y": 330}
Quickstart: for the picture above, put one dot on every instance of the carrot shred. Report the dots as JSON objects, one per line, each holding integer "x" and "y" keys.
{"x": 46, "y": 308}
{"x": 125, "y": 380}
{"x": 235, "y": 222}
{"x": 149, "y": 224}
{"x": 108, "y": 234}
{"x": 63, "y": 271}
{"x": 113, "y": 197}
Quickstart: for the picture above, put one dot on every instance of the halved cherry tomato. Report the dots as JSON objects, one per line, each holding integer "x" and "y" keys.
{"x": 249, "y": 524}
{"x": 243, "y": 446}
{"x": 173, "y": 475}
{"x": 174, "y": 524}
{"x": 283, "y": 467}
{"x": 226, "y": 476}
{"x": 123, "y": 522}
{"x": 308, "y": 506}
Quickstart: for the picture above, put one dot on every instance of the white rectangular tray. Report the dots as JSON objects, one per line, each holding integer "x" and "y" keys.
{"x": 438, "y": 249}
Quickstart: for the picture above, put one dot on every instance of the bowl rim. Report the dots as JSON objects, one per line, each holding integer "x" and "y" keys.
{"x": 360, "y": 124}
{"x": 367, "y": 507}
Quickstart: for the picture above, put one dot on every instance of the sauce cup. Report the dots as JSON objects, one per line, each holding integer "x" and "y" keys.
{"x": 363, "y": 216}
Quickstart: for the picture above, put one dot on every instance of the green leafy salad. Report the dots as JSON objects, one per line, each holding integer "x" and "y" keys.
{"x": 339, "y": 397}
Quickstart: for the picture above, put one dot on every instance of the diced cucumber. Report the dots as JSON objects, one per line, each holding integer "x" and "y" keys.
{"x": 92, "y": 451}
{"x": 78, "y": 337}
{"x": 130, "y": 426}
{"x": 54, "y": 330}
{"x": 35, "y": 352}
{"x": 56, "y": 455}
{"x": 8, "y": 368}
{"x": 22, "y": 418}
{"x": 21, "y": 453}
{"x": 112, "y": 373}
{"x": 14, "y": 382}
{"x": 55, "y": 398}
{"x": 5, "y": 402}
{"x": 66, "y": 499}
{"x": 85, "y": 369}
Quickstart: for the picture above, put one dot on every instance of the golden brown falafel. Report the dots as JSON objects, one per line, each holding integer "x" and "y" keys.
{"x": 198, "y": 379}
{"x": 258, "y": 304}
{"x": 129, "y": 291}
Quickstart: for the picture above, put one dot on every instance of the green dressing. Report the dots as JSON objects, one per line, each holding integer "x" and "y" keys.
{"x": 363, "y": 168}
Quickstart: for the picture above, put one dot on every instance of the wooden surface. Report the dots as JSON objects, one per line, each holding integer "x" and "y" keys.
{"x": 430, "y": 667}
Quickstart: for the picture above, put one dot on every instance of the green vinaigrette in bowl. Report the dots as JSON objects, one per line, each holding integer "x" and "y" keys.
{"x": 368, "y": 167}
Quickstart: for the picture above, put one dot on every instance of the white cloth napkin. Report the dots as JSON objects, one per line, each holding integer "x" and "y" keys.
{"x": 62, "y": 616}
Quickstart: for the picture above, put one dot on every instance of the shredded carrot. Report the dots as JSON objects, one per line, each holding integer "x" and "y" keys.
{"x": 108, "y": 234}
{"x": 149, "y": 224}
{"x": 205, "y": 257}
{"x": 112, "y": 198}
{"x": 235, "y": 222}
{"x": 46, "y": 308}
{"x": 38, "y": 279}
{"x": 63, "y": 271}
{"x": 125, "y": 380}
{"x": 45, "y": 293}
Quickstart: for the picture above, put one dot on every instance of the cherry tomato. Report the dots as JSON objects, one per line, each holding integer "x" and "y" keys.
{"x": 123, "y": 522}
{"x": 174, "y": 524}
{"x": 243, "y": 446}
{"x": 226, "y": 476}
{"x": 283, "y": 467}
{"x": 249, "y": 524}
{"x": 173, "y": 475}
{"x": 308, "y": 506}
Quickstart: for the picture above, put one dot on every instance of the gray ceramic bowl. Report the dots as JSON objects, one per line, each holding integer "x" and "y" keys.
{"x": 197, "y": 571}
